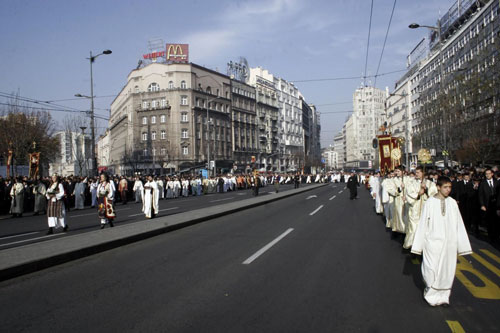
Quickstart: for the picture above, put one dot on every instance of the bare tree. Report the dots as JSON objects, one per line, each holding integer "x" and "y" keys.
{"x": 25, "y": 130}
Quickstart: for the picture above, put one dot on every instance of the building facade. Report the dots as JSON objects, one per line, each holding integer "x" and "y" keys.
{"x": 171, "y": 118}
{"x": 363, "y": 125}
{"x": 74, "y": 157}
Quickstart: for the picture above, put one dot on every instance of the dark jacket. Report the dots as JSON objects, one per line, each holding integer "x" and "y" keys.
{"x": 488, "y": 196}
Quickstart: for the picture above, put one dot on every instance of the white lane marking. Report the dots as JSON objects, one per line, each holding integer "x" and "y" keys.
{"x": 20, "y": 235}
{"x": 94, "y": 213}
{"x": 341, "y": 192}
{"x": 30, "y": 239}
{"x": 332, "y": 197}
{"x": 267, "y": 247}
{"x": 161, "y": 210}
{"x": 311, "y": 196}
{"x": 222, "y": 199}
{"x": 242, "y": 194}
{"x": 317, "y": 210}
{"x": 271, "y": 192}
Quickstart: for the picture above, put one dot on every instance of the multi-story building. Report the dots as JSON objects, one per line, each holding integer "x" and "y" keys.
{"x": 331, "y": 158}
{"x": 174, "y": 116}
{"x": 244, "y": 126}
{"x": 338, "y": 147}
{"x": 362, "y": 127}
{"x": 292, "y": 137}
{"x": 268, "y": 118}
{"x": 399, "y": 111}
{"x": 74, "y": 157}
{"x": 457, "y": 114}
{"x": 311, "y": 128}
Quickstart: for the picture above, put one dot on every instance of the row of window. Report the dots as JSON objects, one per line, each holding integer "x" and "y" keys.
{"x": 163, "y": 119}
{"x": 163, "y": 135}
{"x": 163, "y": 151}
{"x": 156, "y": 87}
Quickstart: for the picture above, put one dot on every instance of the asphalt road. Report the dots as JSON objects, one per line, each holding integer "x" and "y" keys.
{"x": 315, "y": 262}
{"x": 29, "y": 229}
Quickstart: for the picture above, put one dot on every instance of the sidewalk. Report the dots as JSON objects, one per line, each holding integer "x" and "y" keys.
{"x": 34, "y": 257}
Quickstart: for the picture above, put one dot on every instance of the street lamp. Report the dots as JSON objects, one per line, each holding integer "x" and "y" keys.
{"x": 91, "y": 97}
{"x": 438, "y": 30}
{"x": 208, "y": 122}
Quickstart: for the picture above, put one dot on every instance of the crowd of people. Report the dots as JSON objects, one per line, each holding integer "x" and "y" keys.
{"x": 56, "y": 195}
{"x": 432, "y": 213}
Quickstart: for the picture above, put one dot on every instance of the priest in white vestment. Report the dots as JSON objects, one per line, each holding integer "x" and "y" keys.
{"x": 440, "y": 237}
{"x": 387, "y": 201}
{"x": 417, "y": 193}
{"x": 150, "y": 198}
{"x": 375, "y": 191}
{"x": 396, "y": 189}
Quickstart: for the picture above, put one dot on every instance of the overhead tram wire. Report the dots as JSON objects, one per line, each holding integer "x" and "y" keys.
{"x": 385, "y": 40}
{"x": 55, "y": 110}
{"x": 349, "y": 77}
{"x": 368, "y": 44}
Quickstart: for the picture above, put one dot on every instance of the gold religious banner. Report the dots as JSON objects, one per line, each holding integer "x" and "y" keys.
{"x": 34, "y": 165}
{"x": 9, "y": 162}
{"x": 424, "y": 156}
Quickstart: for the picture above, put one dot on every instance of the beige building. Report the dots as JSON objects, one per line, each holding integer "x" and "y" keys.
{"x": 244, "y": 125}
{"x": 268, "y": 115}
{"x": 159, "y": 120}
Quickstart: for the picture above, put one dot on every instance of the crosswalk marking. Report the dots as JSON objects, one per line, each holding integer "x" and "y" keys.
{"x": 491, "y": 255}
{"x": 487, "y": 288}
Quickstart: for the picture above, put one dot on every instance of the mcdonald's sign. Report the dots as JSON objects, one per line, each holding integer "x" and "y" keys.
{"x": 178, "y": 53}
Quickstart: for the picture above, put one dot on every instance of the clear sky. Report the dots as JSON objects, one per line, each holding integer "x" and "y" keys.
{"x": 44, "y": 44}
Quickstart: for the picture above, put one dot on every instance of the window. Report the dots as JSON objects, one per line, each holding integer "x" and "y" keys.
{"x": 170, "y": 84}
{"x": 136, "y": 89}
{"x": 154, "y": 87}
{"x": 154, "y": 151}
{"x": 153, "y": 119}
{"x": 154, "y": 104}
{"x": 144, "y": 120}
{"x": 184, "y": 133}
{"x": 163, "y": 134}
{"x": 163, "y": 118}
{"x": 145, "y": 152}
{"x": 144, "y": 105}
{"x": 163, "y": 102}
{"x": 184, "y": 100}
{"x": 185, "y": 150}
{"x": 153, "y": 135}
{"x": 163, "y": 152}
{"x": 183, "y": 84}
{"x": 144, "y": 136}
{"x": 184, "y": 117}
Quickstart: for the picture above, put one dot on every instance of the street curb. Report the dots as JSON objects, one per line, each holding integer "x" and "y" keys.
{"x": 30, "y": 258}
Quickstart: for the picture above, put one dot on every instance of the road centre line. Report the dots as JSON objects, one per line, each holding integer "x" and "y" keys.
{"x": 30, "y": 239}
{"x": 267, "y": 247}
{"x": 332, "y": 197}
{"x": 222, "y": 199}
{"x": 20, "y": 235}
{"x": 317, "y": 209}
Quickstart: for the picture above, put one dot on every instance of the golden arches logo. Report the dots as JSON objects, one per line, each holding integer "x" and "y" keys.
{"x": 175, "y": 51}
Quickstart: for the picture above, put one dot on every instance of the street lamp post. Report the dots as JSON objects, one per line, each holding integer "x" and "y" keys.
{"x": 92, "y": 121}
{"x": 438, "y": 30}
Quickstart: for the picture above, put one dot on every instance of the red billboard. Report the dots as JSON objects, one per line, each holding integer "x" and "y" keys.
{"x": 178, "y": 53}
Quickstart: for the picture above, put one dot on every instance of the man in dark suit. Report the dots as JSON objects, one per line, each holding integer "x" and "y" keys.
{"x": 352, "y": 185}
{"x": 466, "y": 200}
{"x": 488, "y": 192}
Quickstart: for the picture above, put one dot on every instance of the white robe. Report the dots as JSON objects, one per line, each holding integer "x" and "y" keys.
{"x": 396, "y": 190}
{"x": 150, "y": 199}
{"x": 375, "y": 192}
{"x": 185, "y": 188}
{"x": 79, "y": 193}
{"x": 416, "y": 205}
{"x": 387, "y": 201}
{"x": 440, "y": 238}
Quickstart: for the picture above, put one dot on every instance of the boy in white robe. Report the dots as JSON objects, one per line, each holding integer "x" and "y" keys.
{"x": 440, "y": 236}
{"x": 375, "y": 192}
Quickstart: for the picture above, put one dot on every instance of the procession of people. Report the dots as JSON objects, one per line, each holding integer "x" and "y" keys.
{"x": 433, "y": 213}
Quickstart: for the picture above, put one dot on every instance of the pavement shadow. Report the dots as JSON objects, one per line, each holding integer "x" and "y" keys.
{"x": 411, "y": 268}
